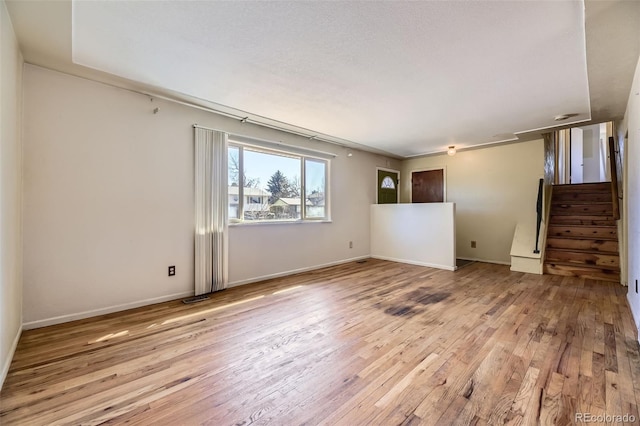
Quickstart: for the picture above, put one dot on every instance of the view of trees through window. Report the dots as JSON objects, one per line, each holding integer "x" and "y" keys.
{"x": 277, "y": 186}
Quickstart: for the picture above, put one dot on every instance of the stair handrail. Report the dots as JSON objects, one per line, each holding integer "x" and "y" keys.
{"x": 536, "y": 250}
{"x": 614, "y": 179}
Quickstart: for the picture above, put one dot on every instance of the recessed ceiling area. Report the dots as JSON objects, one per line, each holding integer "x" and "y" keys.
{"x": 406, "y": 78}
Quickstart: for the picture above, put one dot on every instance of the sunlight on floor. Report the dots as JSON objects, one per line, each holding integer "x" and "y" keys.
{"x": 111, "y": 336}
{"x": 228, "y": 305}
{"x": 206, "y": 311}
{"x": 287, "y": 289}
{"x": 196, "y": 314}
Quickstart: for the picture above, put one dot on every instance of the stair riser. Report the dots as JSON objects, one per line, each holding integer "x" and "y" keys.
{"x": 583, "y": 232}
{"x": 582, "y": 209}
{"x": 581, "y": 258}
{"x": 593, "y": 245}
{"x": 586, "y": 197}
{"x": 605, "y": 186}
{"x": 570, "y": 271}
{"x": 582, "y": 220}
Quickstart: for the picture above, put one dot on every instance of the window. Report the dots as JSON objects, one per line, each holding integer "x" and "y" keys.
{"x": 276, "y": 186}
{"x": 387, "y": 183}
{"x": 315, "y": 172}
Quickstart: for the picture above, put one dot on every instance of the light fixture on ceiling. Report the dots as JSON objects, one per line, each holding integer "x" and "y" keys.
{"x": 561, "y": 117}
{"x": 452, "y": 150}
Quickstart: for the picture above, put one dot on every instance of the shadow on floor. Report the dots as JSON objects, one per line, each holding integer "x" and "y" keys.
{"x": 461, "y": 263}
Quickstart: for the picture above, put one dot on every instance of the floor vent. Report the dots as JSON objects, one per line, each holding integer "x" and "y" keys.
{"x": 195, "y": 299}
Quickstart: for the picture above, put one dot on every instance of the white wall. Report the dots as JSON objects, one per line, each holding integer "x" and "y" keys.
{"x": 494, "y": 188}
{"x": 419, "y": 234}
{"x": 108, "y": 190}
{"x": 631, "y": 124}
{"x": 10, "y": 192}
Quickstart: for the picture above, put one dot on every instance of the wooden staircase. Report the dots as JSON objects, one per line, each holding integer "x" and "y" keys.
{"x": 582, "y": 235}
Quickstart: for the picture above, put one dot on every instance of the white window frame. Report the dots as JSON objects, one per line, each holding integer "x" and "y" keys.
{"x": 303, "y": 196}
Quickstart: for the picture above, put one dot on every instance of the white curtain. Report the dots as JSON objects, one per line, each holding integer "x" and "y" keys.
{"x": 211, "y": 240}
{"x": 605, "y": 166}
{"x": 564, "y": 168}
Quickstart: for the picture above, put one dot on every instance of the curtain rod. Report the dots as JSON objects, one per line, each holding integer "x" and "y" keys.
{"x": 150, "y": 94}
{"x": 243, "y": 119}
{"x": 249, "y": 139}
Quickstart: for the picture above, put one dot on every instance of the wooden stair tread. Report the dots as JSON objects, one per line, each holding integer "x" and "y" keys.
{"x": 592, "y": 198}
{"x": 586, "y": 251}
{"x": 609, "y": 269}
{"x": 560, "y": 189}
{"x": 562, "y": 207}
{"x": 578, "y": 203}
{"x": 583, "y": 258}
{"x": 583, "y": 192}
{"x": 583, "y": 266}
{"x": 583, "y": 238}
{"x": 576, "y": 222}
{"x": 581, "y": 211}
{"x": 582, "y": 244}
{"x": 585, "y": 218}
{"x": 582, "y": 186}
{"x": 566, "y": 225}
{"x": 580, "y": 237}
{"x": 609, "y": 233}
{"x": 580, "y": 194}
{"x": 575, "y": 271}
{"x": 603, "y": 214}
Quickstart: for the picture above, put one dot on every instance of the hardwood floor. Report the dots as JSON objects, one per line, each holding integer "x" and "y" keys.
{"x": 372, "y": 343}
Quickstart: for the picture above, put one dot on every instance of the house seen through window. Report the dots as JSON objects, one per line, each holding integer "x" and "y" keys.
{"x": 276, "y": 186}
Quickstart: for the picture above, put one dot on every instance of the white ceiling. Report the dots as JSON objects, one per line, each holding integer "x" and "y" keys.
{"x": 407, "y": 78}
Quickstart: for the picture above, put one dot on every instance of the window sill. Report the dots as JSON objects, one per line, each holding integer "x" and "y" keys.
{"x": 277, "y": 222}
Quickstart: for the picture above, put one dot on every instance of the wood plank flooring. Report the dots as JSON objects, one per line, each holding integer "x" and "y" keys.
{"x": 372, "y": 343}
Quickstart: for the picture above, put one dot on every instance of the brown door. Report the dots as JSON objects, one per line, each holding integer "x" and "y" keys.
{"x": 427, "y": 186}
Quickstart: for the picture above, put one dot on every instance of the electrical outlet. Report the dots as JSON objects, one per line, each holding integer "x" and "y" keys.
{"x": 350, "y": 244}
{"x": 172, "y": 270}
{"x": 473, "y": 244}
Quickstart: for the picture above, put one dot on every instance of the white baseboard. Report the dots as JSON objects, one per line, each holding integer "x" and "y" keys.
{"x": 635, "y": 319}
{"x": 295, "y": 271}
{"x": 7, "y": 362}
{"x": 413, "y": 262}
{"x": 110, "y": 309}
{"x": 101, "y": 311}
{"x": 497, "y": 262}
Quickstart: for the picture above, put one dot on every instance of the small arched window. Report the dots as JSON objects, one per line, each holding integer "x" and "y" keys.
{"x": 388, "y": 183}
